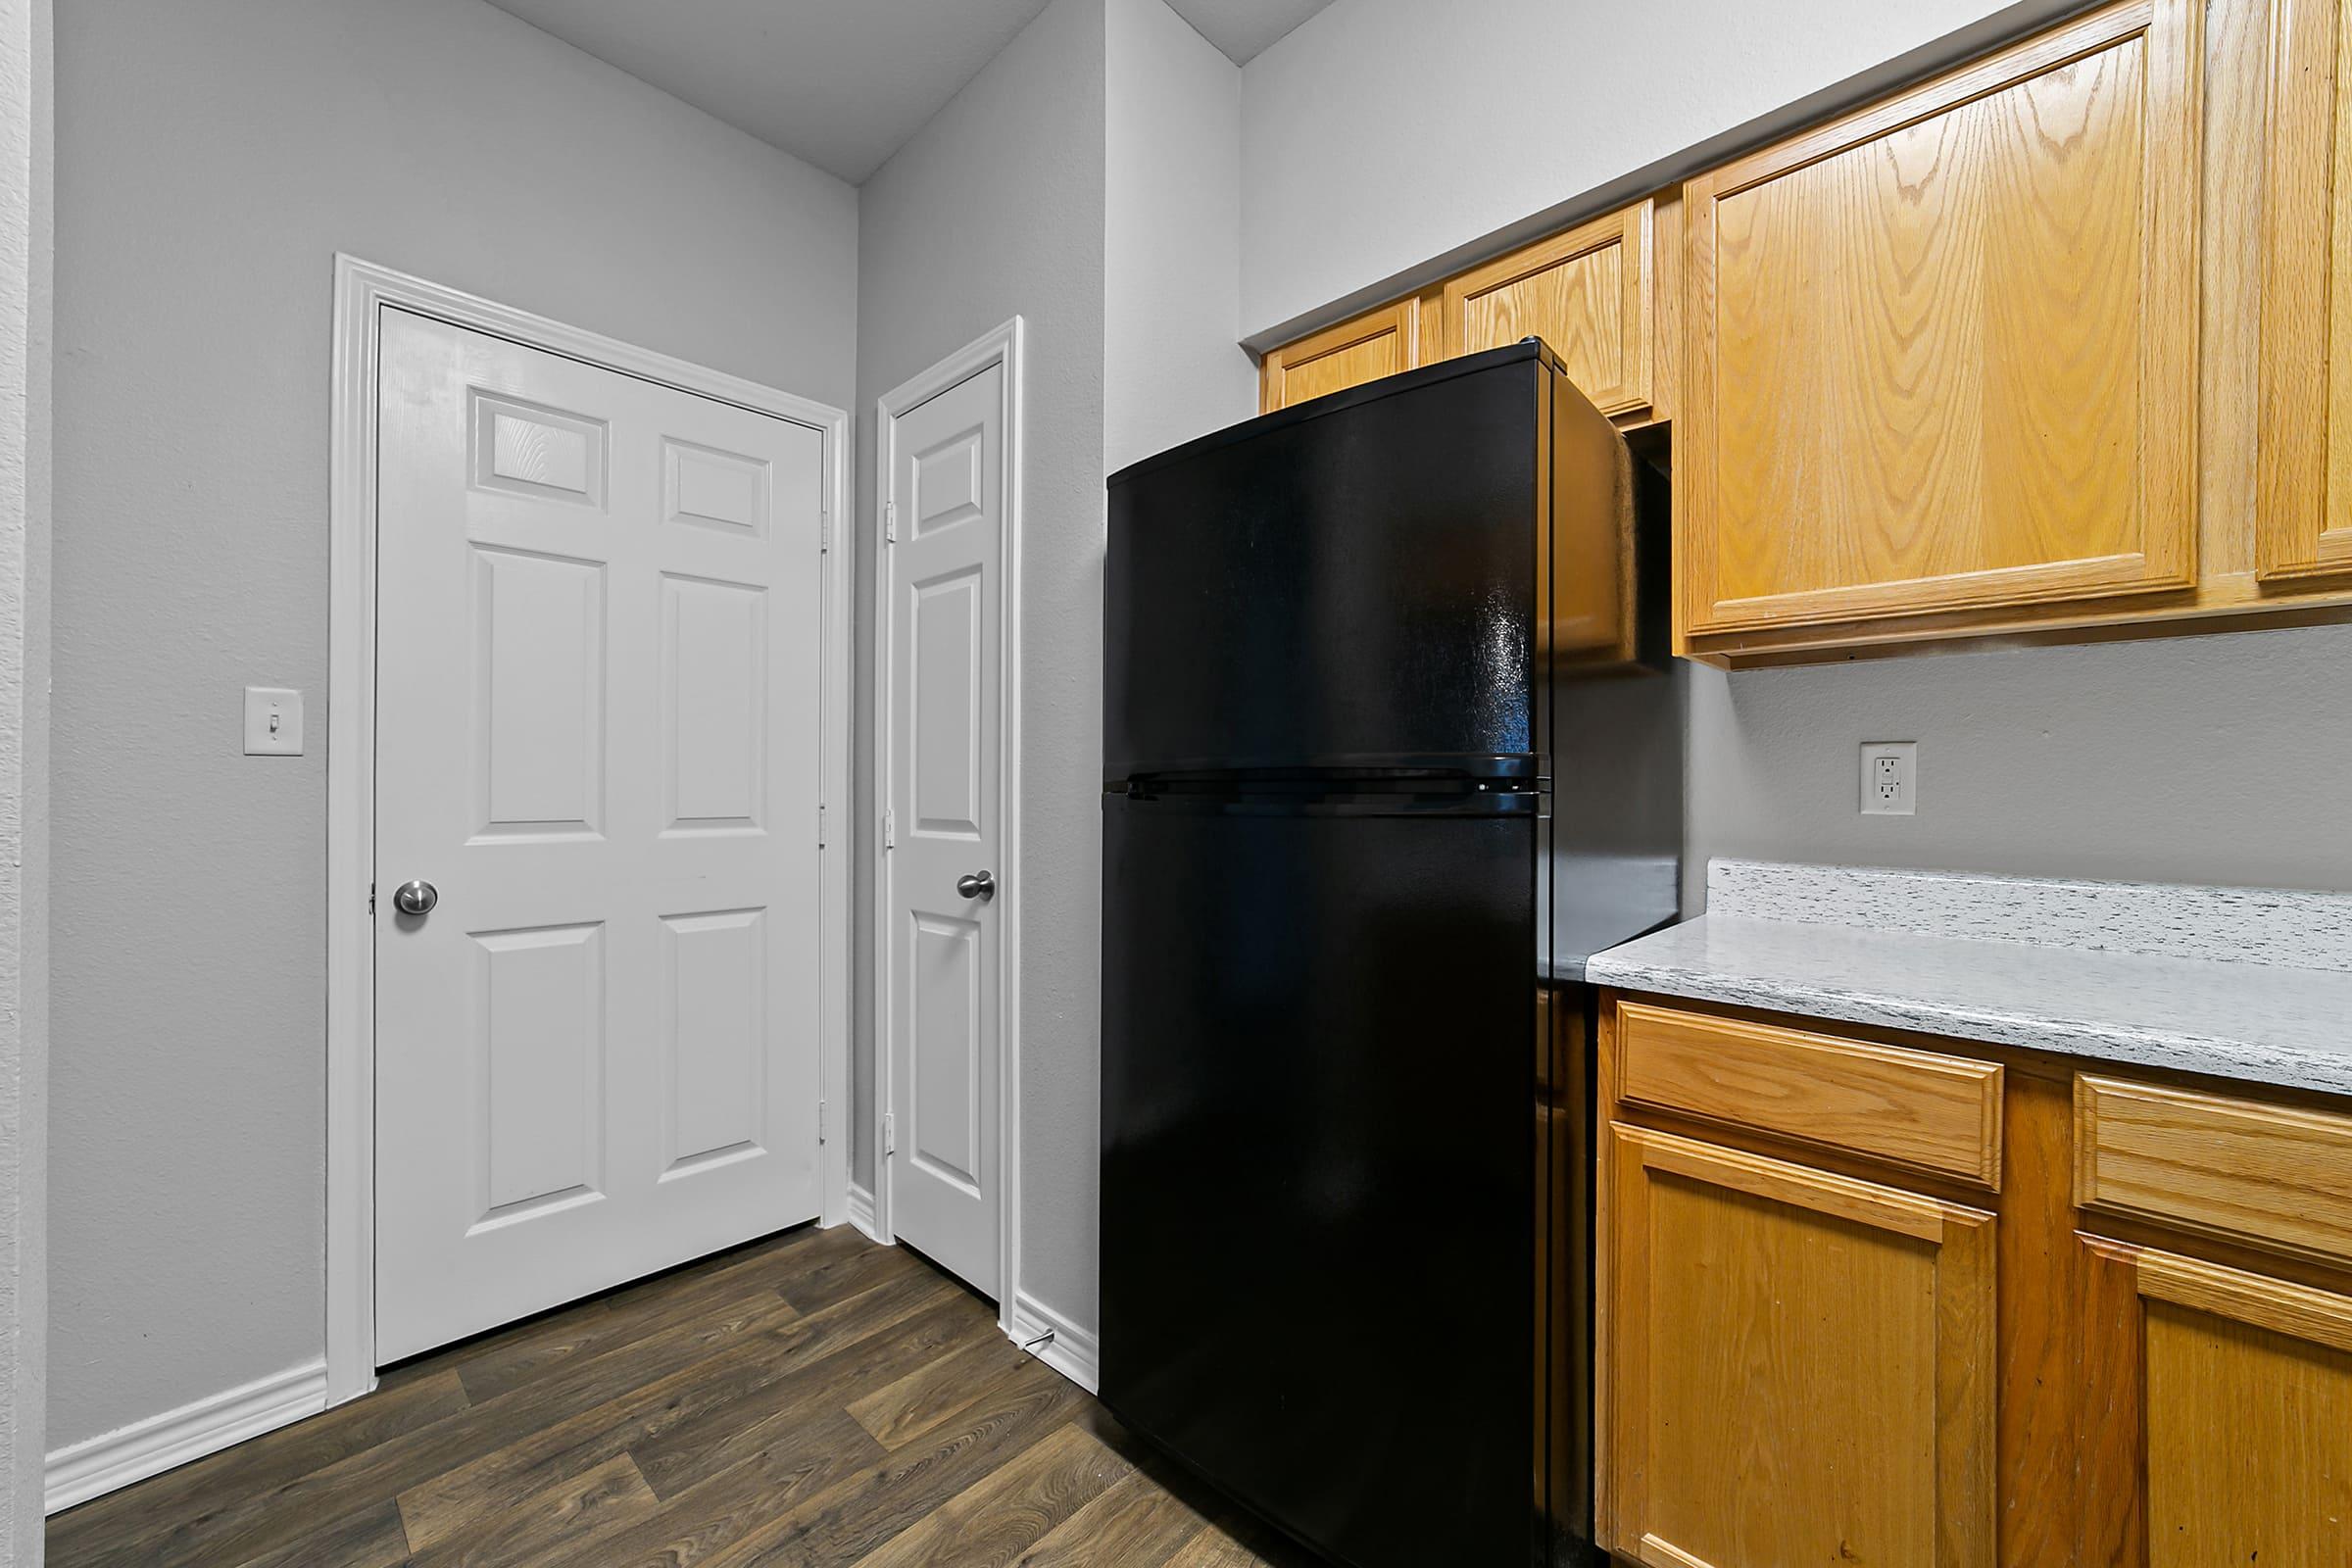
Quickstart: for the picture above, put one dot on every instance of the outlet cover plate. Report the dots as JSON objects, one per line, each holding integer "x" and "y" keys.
{"x": 1889, "y": 778}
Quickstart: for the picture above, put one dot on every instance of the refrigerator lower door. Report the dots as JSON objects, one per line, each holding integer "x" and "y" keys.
{"x": 1319, "y": 1248}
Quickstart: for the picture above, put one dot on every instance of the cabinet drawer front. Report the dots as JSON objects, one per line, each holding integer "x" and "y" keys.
{"x": 1908, "y": 1107}
{"x": 2273, "y": 1176}
{"x": 1943, "y": 353}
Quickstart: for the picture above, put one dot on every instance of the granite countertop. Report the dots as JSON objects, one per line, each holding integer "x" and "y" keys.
{"x": 2238, "y": 983}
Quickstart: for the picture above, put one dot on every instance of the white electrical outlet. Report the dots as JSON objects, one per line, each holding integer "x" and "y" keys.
{"x": 1889, "y": 778}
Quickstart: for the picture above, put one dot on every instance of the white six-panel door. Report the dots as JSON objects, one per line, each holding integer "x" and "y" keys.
{"x": 943, "y": 555}
{"x": 598, "y": 738}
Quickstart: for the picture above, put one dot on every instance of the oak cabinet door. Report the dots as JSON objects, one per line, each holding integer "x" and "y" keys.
{"x": 2218, "y": 1424}
{"x": 1942, "y": 352}
{"x": 2303, "y": 521}
{"x": 1800, "y": 1365}
{"x": 1588, "y": 293}
{"x": 1375, "y": 344}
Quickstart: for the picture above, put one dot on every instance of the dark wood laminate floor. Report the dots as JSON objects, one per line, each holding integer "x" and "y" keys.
{"x": 812, "y": 1400}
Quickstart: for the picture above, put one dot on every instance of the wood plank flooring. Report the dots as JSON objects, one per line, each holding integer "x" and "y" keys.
{"x": 811, "y": 1399}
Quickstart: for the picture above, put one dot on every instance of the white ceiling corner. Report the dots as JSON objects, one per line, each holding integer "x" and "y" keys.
{"x": 839, "y": 84}
{"x": 1244, "y": 29}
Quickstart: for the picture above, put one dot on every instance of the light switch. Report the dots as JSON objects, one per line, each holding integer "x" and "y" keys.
{"x": 272, "y": 722}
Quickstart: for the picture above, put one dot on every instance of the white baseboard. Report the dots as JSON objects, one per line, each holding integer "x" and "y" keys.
{"x": 115, "y": 1459}
{"x": 861, "y": 1212}
{"x": 1072, "y": 1352}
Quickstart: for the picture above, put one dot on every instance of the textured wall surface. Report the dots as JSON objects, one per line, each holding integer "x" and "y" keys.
{"x": 212, "y": 159}
{"x": 993, "y": 210}
{"x": 1172, "y": 236}
{"x": 2181, "y": 760}
{"x": 25, "y": 500}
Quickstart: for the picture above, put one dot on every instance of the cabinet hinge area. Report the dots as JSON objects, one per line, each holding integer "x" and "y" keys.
{"x": 890, "y": 1133}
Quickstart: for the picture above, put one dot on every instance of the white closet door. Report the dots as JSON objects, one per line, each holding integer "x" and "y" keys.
{"x": 598, "y": 739}
{"x": 945, "y": 819}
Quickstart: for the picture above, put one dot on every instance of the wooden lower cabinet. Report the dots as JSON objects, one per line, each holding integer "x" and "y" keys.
{"x": 2123, "y": 1342}
{"x": 2218, "y": 1415}
{"x": 1800, "y": 1365}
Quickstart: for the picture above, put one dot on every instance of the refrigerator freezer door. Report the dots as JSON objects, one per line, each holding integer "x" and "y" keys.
{"x": 1318, "y": 1160}
{"x": 1313, "y": 589}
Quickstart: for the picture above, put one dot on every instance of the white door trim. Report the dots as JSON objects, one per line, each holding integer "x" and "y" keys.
{"x": 1002, "y": 346}
{"x": 363, "y": 291}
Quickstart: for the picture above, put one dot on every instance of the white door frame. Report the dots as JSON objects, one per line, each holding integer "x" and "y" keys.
{"x": 362, "y": 292}
{"x": 1000, "y": 347}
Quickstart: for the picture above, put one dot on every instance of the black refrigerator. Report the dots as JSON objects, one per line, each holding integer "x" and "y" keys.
{"x": 1388, "y": 751}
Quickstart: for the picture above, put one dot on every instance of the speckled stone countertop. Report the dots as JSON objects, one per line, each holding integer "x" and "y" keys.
{"x": 2237, "y": 982}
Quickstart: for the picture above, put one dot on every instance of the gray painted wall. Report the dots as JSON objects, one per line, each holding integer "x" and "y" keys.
{"x": 211, "y": 159}
{"x": 1172, "y": 236}
{"x": 2218, "y": 758}
{"x": 995, "y": 209}
{"x": 25, "y": 502}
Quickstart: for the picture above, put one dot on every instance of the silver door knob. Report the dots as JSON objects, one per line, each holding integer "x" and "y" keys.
{"x": 981, "y": 885}
{"x": 416, "y": 898}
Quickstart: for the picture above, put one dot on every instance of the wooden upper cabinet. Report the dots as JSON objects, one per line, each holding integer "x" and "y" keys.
{"x": 2303, "y": 523}
{"x": 1943, "y": 353}
{"x": 1375, "y": 344}
{"x": 1588, "y": 293}
{"x": 1800, "y": 1365}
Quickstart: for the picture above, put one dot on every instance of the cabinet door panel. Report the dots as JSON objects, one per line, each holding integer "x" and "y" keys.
{"x": 2221, "y": 1408}
{"x": 1943, "y": 352}
{"x": 1586, "y": 293}
{"x": 2303, "y": 524}
{"x": 1800, "y": 1365}
{"x": 1375, "y": 344}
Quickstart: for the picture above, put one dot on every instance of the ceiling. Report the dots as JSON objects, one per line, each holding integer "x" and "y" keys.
{"x": 842, "y": 83}
{"x": 1245, "y": 27}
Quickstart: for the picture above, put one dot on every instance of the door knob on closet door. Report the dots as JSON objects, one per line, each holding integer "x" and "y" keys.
{"x": 416, "y": 898}
{"x": 981, "y": 885}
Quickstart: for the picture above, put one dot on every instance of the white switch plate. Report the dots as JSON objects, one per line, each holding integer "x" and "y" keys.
{"x": 272, "y": 722}
{"x": 1889, "y": 778}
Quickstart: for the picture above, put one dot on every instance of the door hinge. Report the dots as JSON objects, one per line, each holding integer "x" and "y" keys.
{"x": 890, "y": 828}
{"x": 371, "y": 898}
{"x": 890, "y": 522}
{"x": 821, "y": 824}
{"x": 824, "y": 532}
{"x": 890, "y": 1133}
{"x": 823, "y": 1122}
